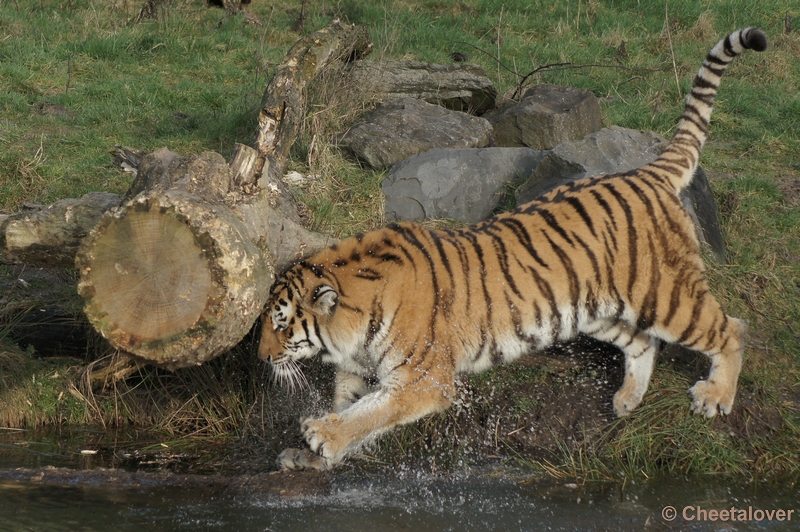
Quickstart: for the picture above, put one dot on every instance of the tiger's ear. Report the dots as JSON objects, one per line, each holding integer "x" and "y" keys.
{"x": 325, "y": 300}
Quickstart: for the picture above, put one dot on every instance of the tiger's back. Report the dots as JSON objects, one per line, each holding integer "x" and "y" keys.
{"x": 615, "y": 257}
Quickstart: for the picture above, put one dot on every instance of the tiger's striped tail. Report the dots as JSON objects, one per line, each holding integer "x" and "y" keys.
{"x": 679, "y": 160}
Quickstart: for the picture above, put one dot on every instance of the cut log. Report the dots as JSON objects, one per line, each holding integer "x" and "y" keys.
{"x": 181, "y": 270}
{"x": 50, "y": 236}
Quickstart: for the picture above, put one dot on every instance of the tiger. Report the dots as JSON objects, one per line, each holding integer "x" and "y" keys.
{"x": 406, "y": 308}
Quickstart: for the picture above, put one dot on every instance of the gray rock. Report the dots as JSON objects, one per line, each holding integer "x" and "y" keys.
{"x": 614, "y": 150}
{"x": 399, "y": 129}
{"x": 460, "y": 87}
{"x": 546, "y": 116}
{"x": 464, "y": 185}
{"x": 702, "y": 207}
{"x": 610, "y": 150}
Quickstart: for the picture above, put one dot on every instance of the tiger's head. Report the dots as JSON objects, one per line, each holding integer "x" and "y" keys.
{"x": 291, "y": 326}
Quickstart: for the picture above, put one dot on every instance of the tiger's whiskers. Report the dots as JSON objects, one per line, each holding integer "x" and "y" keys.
{"x": 288, "y": 373}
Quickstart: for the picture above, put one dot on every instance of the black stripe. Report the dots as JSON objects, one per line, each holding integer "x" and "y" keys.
{"x": 473, "y": 240}
{"x": 502, "y": 259}
{"x": 574, "y": 283}
{"x": 707, "y": 99}
{"x": 315, "y": 269}
{"x": 719, "y": 72}
{"x": 547, "y": 291}
{"x": 655, "y": 175}
{"x": 712, "y": 58}
{"x": 412, "y": 239}
{"x": 691, "y": 109}
{"x": 369, "y": 274}
{"x": 675, "y": 166}
{"x": 375, "y": 322}
{"x": 551, "y": 220}
{"x": 609, "y": 233}
{"x": 633, "y": 258}
{"x": 463, "y": 258}
{"x": 702, "y": 126}
{"x": 728, "y": 47}
{"x": 521, "y": 232}
{"x": 702, "y": 83}
{"x": 581, "y": 210}
{"x": 516, "y": 319}
{"x": 591, "y": 296}
{"x": 450, "y": 297}
{"x": 389, "y": 257}
{"x": 592, "y": 258}
{"x": 698, "y": 305}
{"x": 675, "y": 296}
{"x": 647, "y": 312}
{"x": 606, "y": 207}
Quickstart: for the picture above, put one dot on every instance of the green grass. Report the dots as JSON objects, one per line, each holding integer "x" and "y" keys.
{"x": 192, "y": 80}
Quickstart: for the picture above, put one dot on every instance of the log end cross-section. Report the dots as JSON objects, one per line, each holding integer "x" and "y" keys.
{"x": 171, "y": 280}
{"x": 151, "y": 276}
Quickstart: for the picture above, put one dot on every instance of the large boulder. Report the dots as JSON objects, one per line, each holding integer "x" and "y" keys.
{"x": 466, "y": 184}
{"x": 399, "y": 129}
{"x": 546, "y": 116}
{"x": 457, "y": 86}
{"x": 610, "y": 150}
{"x": 613, "y": 150}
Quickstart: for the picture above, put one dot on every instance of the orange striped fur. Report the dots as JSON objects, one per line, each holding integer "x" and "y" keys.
{"x": 615, "y": 257}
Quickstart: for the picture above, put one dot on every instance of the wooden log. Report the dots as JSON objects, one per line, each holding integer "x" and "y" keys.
{"x": 49, "y": 236}
{"x": 283, "y": 105}
{"x": 181, "y": 270}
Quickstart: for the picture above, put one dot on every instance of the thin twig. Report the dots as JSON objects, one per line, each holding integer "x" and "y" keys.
{"x": 671, "y": 50}
{"x": 69, "y": 73}
{"x": 554, "y": 67}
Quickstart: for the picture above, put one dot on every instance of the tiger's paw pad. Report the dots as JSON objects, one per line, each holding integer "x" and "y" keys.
{"x": 297, "y": 459}
{"x": 708, "y": 397}
{"x": 320, "y": 434}
{"x": 624, "y": 403}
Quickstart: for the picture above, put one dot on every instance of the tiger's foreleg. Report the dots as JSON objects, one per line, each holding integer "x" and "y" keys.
{"x": 349, "y": 389}
{"x": 405, "y": 396}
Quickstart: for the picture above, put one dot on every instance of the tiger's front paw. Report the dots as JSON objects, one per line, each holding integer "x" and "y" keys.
{"x": 323, "y": 436}
{"x": 624, "y": 403}
{"x": 302, "y": 459}
{"x": 710, "y": 396}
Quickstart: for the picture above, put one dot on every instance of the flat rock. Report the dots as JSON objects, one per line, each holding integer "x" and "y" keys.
{"x": 546, "y": 116}
{"x": 399, "y": 129}
{"x": 614, "y": 150}
{"x": 457, "y": 86}
{"x": 465, "y": 184}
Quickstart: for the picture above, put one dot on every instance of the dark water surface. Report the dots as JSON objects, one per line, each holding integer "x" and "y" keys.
{"x": 385, "y": 500}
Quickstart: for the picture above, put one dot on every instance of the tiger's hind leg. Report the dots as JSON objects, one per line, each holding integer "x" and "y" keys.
{"x": 709, "y": 330}
{"x": 719, "y": 390}
{"x": 640, "y": 351}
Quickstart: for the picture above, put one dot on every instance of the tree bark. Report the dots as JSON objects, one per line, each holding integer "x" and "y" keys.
{"x": 181, "y": 270}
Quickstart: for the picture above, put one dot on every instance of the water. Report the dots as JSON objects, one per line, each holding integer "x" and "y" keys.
{"x": 384, "y": 500}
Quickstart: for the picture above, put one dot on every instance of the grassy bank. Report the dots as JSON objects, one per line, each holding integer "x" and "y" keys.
{"x": 77, "y": 78}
